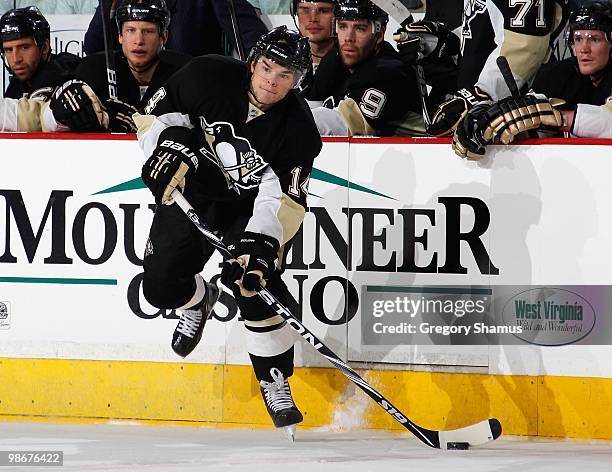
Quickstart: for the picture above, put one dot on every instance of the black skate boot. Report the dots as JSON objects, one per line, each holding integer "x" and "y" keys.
{"x": 188, "y": 332}
{"x": 280, "y": 405}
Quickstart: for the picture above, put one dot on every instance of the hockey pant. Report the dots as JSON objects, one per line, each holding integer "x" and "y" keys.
{"x": 176, "y": 253}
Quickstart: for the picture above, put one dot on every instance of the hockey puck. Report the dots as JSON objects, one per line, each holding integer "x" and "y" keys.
{"x": 463, "y": 446}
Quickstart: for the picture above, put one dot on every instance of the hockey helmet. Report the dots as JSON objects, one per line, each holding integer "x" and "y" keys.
{"x": 23, "y": 23}
{"x": 591, "y": 16}
{"x": 361, "y": 10}
{"x": 154, "y": 11}
{"x": 285, "y": 47}
{"x": 294, "y": 4}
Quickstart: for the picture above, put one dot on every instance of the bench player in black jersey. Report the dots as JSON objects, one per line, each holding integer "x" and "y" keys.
{"x": 364, "y": 86}
{"x": 26, "y": 51}
{"x": 240, "y": 142}
{"x": 141, "y": 67}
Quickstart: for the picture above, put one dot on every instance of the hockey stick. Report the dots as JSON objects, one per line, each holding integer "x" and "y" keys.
{"x": 236, "y": 28}
{"x": 506, "y": 72}
{"x": 400, "y": 13}
{"x": 504, "y": 68}
{"x": 109, "y": 53}
{"x": 476, "y": 434}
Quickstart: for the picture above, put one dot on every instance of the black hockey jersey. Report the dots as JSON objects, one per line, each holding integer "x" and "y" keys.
{"x": 574, "y": 87}
{"x": 92, "y": 70}
{"x": 262, "y": 159}
{"x": 376, "y": 94}
{"x": 49, "y": 75}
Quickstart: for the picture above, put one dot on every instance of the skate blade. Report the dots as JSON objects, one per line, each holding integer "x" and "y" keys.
{"x": 289, "y": 431}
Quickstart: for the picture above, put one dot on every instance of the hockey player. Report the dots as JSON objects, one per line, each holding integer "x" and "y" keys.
{"x": 141, "y": 65}
{"x": 578, "y": 85}
{"x": 26, "y": 52}
{"x": 315, "y": 19}
{"x": 366, "y": 88}
{"x": 524, "y": 32}
{"x": 239, "y": 141}
{"x": 587, "y": 75}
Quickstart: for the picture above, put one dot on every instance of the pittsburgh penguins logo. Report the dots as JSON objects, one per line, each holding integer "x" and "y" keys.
{"x": 471, "y": 10}
{"x": 234, "y": 155}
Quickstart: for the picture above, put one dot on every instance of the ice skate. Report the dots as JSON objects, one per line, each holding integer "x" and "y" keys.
{"x": 280, "y": 404}
{"x": 188, "y": 332}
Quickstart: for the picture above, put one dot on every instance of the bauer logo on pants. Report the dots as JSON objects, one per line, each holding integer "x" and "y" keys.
{"x": 5, "y": 315}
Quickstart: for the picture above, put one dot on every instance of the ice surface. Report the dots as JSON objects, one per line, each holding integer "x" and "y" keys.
{"x": 140, "y": 448}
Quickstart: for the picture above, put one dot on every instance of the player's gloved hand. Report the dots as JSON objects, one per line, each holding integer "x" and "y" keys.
{"x": 410, "y": 46}
{"x": 450, "y": 113}
{"x": 468, "y": 140}
{"x": 254, "y": 265}
{"x": 75, "y": 105}
{"x": 513, "y": 115}
{"x": 426, "y": 39}
{"x": 120, "y": 116}
{"x": 170, "y": 164}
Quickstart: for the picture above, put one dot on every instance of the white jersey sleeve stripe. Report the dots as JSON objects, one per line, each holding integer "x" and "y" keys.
{"x": 267, "y": 204}
{"x": 150, "y": 127}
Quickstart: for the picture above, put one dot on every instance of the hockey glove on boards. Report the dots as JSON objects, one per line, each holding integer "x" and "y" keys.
{"x": 75, "y": 105}
{"x": 120, "y": 116}
{"x": 426, "y": 40}
{"x": 502, "y": 121}
{"x": 450, "y": 113}
{"x": 254, "y": 265}
{"x": 169, "y": 165}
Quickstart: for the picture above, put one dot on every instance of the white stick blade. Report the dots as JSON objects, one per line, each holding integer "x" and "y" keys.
{"x": 475, "y": 435}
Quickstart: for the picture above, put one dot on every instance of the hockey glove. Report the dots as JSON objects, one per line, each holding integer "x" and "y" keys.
{"x": 169, "y": 165}
{"x": 75, "y": 105}
{"x": 425, "y": 39}
{"x": 120, "y": 116}
{"x": 511, "y": 116}
{"x": 450, "y": 113}
{"x": 254, "y": 265}
{"x": 468, "y": 140}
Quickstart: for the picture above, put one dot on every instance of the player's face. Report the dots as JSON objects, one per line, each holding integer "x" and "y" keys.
{"x": 315, "y": 20}
{"x": 356, "y": 41}
{"x": 592, "y": 51}
{"x": 270, "y": 82}
{"x": 140, "y": 42}
{"x": 23, "y": 56}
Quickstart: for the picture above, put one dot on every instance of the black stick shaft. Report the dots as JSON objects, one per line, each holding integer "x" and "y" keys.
{"x": 506, "y": 73}
{"x": 236, "y": 28}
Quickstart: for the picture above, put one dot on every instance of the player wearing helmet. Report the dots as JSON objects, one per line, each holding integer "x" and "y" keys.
{"x": 142, "y": 66}
{"x": 239, "y": 141}
{"x": 587, "y": 75}
{"x": 365, "y": 87}
{"x": 26, "y": 52}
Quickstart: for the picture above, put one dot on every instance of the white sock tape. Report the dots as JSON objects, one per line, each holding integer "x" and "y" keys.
{"x": 270, "y": 343}
{"x": 198, "y": 296}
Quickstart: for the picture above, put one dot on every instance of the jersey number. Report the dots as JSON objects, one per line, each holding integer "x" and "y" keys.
{"x": 519, "y": 20}
{"x": 296, "y": 188}
{"x": 372, "y": 103}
